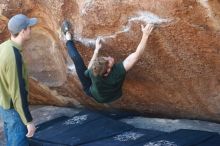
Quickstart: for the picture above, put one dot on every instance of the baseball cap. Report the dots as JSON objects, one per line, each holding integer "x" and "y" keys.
{"x": 19, "y": 22}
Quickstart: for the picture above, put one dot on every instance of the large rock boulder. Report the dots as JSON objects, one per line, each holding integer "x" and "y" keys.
{"x": 177, "y": 76}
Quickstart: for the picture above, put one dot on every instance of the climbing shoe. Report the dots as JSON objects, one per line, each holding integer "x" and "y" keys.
{"x": 66, "y": 26}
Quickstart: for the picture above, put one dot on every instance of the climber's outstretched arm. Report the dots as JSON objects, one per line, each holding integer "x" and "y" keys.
{"x": 130, "y": 61}
{"x": 96, "y": 52}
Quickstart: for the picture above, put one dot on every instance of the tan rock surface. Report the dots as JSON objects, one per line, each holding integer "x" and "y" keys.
{"x": 178, "y": 75}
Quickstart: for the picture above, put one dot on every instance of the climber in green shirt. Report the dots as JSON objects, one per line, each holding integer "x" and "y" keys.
{"x": 103, "y": 79}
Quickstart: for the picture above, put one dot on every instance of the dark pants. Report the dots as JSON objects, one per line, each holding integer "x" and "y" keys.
{"x": 80, "y": 67}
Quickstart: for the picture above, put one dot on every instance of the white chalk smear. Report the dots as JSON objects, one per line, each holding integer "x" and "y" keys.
{"x": 142, "y": 16}
{"x": 87, "y": 4}
{"x": 76, "y": 120}
{"x": 128, "y": 136}
{"x": 161, "y": 143}
{"x": 205, "y": 4}
{"x": 88, "y": 42}
{"x": 149, "y": 17}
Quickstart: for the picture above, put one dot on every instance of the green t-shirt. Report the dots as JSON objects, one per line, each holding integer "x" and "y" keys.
{"x": 107, "y": 89}
{"x": 14, "y": 80}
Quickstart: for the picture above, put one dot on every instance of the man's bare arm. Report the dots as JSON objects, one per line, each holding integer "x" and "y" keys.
{"x": 96, "y": 52}
{"x": 130, "y": 61}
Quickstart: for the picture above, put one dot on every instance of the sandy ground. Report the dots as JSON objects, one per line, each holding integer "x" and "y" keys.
{"x": 45, "y": 113}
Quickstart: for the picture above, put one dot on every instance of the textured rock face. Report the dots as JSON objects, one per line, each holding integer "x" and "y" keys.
{"x": 177, "y": 76}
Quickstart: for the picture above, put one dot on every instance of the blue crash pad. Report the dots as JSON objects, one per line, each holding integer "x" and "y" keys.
{"x": 58, "y": 128}
{"x": 82, "y": 128}
{"x": 89, "y": 128}
{"x": 214, "y": 141}
{"x": 180, "y": 138}
{"x": 128, "y": 138}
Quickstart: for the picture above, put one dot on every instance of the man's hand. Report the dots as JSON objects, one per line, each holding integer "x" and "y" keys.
{"x": 98, "y": 44}
{"x": 31, "y": 129}
{"x": 147, "y": 29}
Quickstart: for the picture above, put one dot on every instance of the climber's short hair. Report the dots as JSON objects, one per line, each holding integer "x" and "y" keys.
{"x": 99, "y": 66}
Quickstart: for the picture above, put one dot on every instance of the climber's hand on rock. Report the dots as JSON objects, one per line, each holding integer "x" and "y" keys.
{"x": 147, "y": 29}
